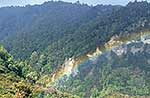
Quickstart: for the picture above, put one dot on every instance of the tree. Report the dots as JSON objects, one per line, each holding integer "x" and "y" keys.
{"x": 42, "y": 62}
{"x": 34, "y": 60}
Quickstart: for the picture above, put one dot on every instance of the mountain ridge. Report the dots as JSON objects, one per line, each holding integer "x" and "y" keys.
{"x": 62, "y": 19}
{"x": 76, "y": 51}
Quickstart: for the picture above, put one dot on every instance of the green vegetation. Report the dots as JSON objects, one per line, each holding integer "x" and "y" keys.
{"x": 17, "y": 80}
{"x": 52, "y": 24}
{"x": 41, "y": 38}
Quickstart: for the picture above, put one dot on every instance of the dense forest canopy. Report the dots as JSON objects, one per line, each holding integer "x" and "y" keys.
{"x": 36, "y": 27}
{"x": 50, "y": 51}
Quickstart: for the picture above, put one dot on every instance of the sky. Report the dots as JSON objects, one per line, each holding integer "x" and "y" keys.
{"x": 90, "y": 2}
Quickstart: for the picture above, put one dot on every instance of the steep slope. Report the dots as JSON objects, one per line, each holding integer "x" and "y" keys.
{"x": 11, "y": 77}
{"x": 40, "y": 25}
{"x": 121, "y": 68}
{"x": 33, "y": 28}
{"x": 15, "y": 19}
{"x": 131, "y": 18}
{"x": 17, "y": 80}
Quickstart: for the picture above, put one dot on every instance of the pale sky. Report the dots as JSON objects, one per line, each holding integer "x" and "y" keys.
{"x": 90, "y": 2}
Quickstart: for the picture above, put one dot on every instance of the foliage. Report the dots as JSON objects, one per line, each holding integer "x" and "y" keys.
{"x": 41, "y": 40}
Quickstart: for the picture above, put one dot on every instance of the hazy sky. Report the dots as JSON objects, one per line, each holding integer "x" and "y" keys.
{"x": 25, "y": 2}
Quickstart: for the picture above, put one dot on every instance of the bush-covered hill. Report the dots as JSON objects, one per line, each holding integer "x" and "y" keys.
{"x": 67, "y": 30}
{"x": 33, "y": 28}
{"x": 133, "y": 17}
{"x": 42, "y": 37}
{"x": 18, "y": 80}
{"x": 122, "y": 70}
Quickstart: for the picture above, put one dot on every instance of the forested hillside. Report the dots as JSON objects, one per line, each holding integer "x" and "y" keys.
{"x": 33, "y": 28}
{"x": 115, "y": 73}
{"x": 17, "y": 80}
{"x": 126, "y": 20}
{"x": 51, "y": 51}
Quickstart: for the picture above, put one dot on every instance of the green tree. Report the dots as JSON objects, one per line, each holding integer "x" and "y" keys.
{"x": 34, "y": 60}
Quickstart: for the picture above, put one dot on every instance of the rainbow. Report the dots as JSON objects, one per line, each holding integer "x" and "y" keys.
{"x": 72, "y": 65}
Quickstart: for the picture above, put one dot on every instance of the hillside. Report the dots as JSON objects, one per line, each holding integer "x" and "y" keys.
{"x": 17, "y": 80}
{"x": 132, "y": 18}
{"x": 65, "y": 50}
{"x": 120, "y": 69}
{"x": 33, "y": 28}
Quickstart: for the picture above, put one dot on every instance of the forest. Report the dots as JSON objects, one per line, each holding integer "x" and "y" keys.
{"x": 73, "y": 50}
